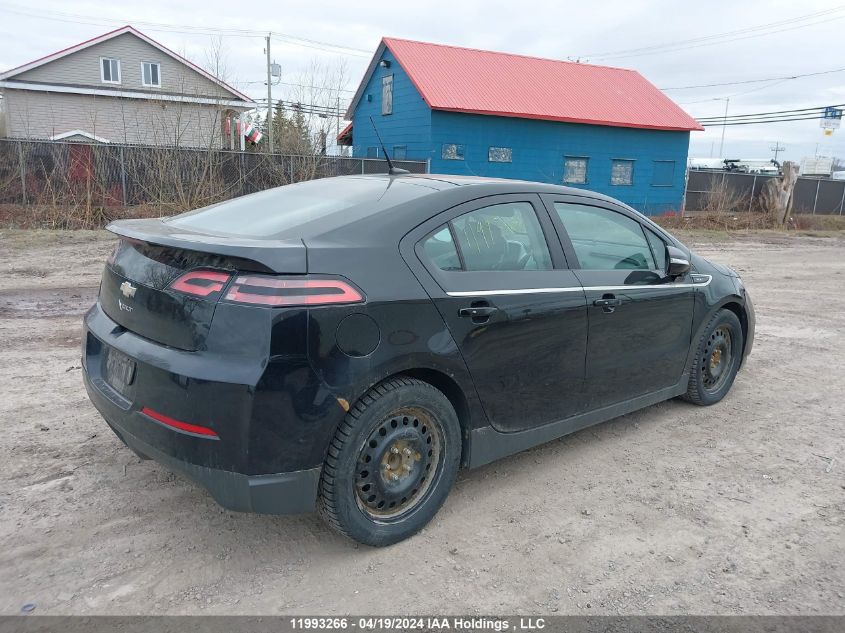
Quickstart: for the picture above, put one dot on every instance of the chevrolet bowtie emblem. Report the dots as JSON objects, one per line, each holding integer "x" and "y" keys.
{"x": 127, "y": 289}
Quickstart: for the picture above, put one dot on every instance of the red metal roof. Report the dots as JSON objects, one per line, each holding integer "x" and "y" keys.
{"x": 345, "y": 137}
{"x": 501, "y": 84}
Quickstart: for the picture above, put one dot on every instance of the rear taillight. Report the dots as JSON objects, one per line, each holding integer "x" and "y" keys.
{"x": 276, "y": 291}
{"x": 206, "y": 284}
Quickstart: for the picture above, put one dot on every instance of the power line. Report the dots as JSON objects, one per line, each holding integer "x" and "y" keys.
{"x": 774, "y": 116}
{"x": 737, "y": 94}
{"x": 76, "y": 18}
{"x": 756, "y": 81}
{"x": 296, "y": 85}
{"x": 772, "y": 112}
{"x": 721, "y": 38}
{"x": 305, "y": 108}
{"x": 782, "y": 120}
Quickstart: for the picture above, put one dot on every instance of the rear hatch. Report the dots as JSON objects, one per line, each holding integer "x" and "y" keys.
{"x": 164, "y": 283}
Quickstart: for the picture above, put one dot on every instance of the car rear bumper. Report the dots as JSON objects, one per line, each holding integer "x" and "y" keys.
{"x": 279, "y": 493}
{"x": 259, "y": 456}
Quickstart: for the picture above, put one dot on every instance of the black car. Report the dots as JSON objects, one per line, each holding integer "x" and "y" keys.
{"x": 347, "y": 344}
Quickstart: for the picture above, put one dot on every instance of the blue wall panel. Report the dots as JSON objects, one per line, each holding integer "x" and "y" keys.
{"x": 410, "y": 123}
{"x": 538, "y": 147}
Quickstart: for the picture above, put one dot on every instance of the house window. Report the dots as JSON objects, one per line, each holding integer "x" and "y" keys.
{"x": 499, "y": 154}
{"x": 575, "y": 170}
{"x": 387, "y": 94}
{"x": 372, "y": 152}
{"x": 400, "y": 152}
{"x": 451, "y": 151}
{"x": 151, "y": 74}
{"x": 109, "y": 70}
{"x": 622, "y": 172}
{"x": 664, "y": 173}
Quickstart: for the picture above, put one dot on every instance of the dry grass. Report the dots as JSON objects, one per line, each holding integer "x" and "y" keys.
{"x": 735, "y": 222}
{"x": 46, "y": 216}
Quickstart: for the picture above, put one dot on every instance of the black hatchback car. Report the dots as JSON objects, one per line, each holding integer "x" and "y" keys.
{"x": 347, "y": 344}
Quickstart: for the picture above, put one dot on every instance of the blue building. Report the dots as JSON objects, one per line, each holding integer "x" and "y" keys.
{"x": 467, "y": 111}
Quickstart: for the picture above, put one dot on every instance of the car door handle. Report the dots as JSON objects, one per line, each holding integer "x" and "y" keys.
{"x": 607, "y": 302}
{"x": 478, "y": 312}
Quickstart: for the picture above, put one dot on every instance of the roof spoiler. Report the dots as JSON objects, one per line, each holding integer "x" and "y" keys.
{"x": 279, "y": 256}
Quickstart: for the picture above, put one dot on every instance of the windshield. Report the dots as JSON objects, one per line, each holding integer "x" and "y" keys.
{"x": 278, "y": 211}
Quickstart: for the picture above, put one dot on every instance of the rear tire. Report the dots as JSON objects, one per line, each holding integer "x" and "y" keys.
{"x": 391, "y": 463}
{"x": 716, "y": 360}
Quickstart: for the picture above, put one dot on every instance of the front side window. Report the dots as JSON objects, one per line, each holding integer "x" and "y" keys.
{"x": 500, "y": 155}
{"x": 110, "y": 70}
{"x": 622, "y": 172}
{"x": 658, "y": 248}
{"x": 387, "y": 94}
{"x": 151, "y": 74}
{"x": 604, "y": 239}
{"x": 575, "y": 170}
{"x": 664, "y": 173}
{"x": 502, "y": 237}
{"x": 451, "y": 151}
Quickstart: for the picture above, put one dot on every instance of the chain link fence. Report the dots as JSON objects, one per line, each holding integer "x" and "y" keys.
{"x": 75, "y": 175}
{"x": 707, "y": 190}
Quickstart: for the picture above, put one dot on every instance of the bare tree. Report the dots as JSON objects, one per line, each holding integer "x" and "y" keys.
{"x": 721, "y": 198}
{"x": 776, "y": 197}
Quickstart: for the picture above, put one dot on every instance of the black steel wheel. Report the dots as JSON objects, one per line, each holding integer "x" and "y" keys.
{"x": 717, "y": 359}
{"x": 397, "y": 463}
{"x": 391, "y": 463}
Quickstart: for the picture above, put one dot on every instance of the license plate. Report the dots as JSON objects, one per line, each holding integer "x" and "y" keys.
{"x": 120, "y": 370}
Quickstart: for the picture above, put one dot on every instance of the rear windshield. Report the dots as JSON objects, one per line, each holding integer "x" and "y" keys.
{"x": 275, "y": 212}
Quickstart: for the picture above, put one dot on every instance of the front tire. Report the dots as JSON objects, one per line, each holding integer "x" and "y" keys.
{"x": 717, "y": 360}
{"x": 391, "y": 463}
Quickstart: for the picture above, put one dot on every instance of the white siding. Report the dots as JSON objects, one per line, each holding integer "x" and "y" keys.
{"x": 82, "y": 68}
{"x": 40, "y": 115}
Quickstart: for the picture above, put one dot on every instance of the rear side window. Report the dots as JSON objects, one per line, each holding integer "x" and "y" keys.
{"x": 499, "y": 237}
{"x": 441, "y": 250}
{"x": 604, "y": 239}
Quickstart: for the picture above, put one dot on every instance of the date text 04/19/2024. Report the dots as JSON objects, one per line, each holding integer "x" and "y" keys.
{"x": 406, "y": 623}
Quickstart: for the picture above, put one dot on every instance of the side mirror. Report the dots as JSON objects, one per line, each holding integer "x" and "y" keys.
{"x": 678, "y": 262}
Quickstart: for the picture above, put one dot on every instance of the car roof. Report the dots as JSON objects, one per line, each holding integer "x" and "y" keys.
{"x": 398, "y": 213}
{"x": 498, "y": 185}
{"x": 378, "y": 205}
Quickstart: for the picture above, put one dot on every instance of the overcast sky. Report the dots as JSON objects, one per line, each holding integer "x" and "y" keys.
{"x": 592, "y": 31}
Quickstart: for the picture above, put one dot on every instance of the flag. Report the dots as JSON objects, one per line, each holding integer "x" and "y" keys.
{"x": 252, "y": 134}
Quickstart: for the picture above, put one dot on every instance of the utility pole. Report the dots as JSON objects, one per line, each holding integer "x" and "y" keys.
{"x": 777, "y": 148}
{"x": 724, "y": 125}
{"x": 269, "y": 101}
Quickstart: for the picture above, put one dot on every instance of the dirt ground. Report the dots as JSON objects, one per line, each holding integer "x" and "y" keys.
{"x": 676, "y": 509}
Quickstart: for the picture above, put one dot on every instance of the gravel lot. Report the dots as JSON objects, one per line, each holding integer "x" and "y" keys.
{"x": 737, "y": 508}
